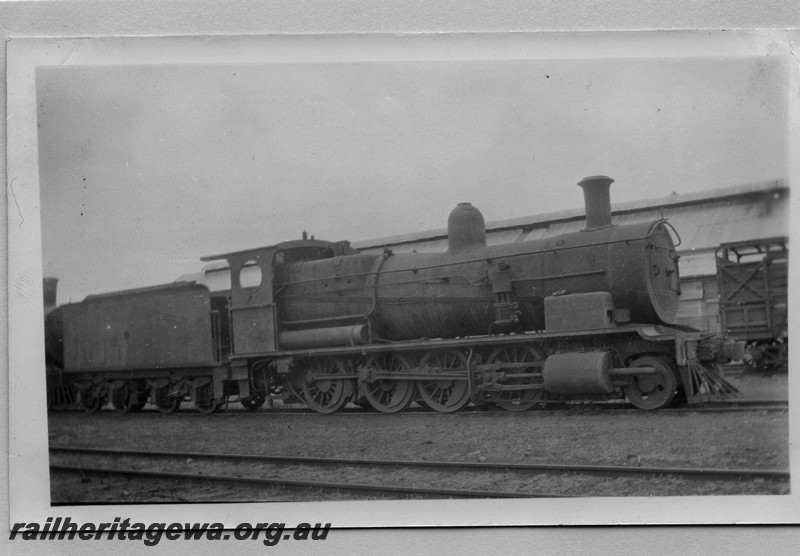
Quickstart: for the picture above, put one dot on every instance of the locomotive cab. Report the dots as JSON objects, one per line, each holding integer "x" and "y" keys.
{"x": 254, "y": 321}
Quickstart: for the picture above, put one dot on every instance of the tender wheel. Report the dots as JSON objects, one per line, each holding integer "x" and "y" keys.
{"x": 652, "y": 391}
{"x": 444, "y": 394}
{"x": 254, "y": 402}
{"x": 91, "y": 401}
{"x": 323, "y": 392}
{"x": 207, "y": 408}
{"x": 125, "y": 399}
{"x": 165, "y": 403}
{"x": 519, "y": 400}
{"x": 389, "y": 396}
{"x": 168, "y": 406}
{"x": 205, "y": 402}
{"x": 141, "y": 392}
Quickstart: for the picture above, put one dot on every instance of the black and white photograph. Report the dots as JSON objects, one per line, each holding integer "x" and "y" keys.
{"x": 425, "y": 280}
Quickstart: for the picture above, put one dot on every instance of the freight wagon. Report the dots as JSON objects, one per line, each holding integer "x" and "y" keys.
{"x": 752, "y": 279}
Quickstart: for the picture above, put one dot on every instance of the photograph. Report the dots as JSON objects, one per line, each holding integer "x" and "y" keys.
{"x": 541, "y": 274}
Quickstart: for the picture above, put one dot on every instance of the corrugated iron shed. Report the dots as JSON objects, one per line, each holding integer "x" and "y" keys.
{"x": 703, "y": 221}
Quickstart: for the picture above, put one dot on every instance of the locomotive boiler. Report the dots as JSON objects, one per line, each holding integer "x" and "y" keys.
{"x": 474, "y": 289}
{"x": 583, "y": 314}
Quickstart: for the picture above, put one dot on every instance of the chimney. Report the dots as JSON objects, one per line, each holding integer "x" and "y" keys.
{"x": 598, "y": 202}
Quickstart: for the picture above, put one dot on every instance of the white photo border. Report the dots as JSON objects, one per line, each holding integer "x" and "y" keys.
{"x": 29, "y": 487}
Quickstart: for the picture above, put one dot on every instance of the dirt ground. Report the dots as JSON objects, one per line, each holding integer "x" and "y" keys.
{"x": 578, "y": 435}
{"x": 761, "y": 387}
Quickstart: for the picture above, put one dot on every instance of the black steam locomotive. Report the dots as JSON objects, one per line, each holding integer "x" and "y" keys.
{"x": 579, "y": 315}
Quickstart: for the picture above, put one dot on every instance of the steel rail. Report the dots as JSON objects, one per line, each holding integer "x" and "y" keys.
{"x": 615, "y": 406}
{"x": 452, "y": 493}
{"x": 730, "y": 407}
{"x": 702, "y": 473}
{"x": 622, "y": 406}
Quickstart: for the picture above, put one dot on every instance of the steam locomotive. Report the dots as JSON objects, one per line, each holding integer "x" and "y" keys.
{"x": 583, "y": 315}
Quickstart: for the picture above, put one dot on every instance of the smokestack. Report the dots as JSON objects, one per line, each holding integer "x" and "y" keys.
{"x": 49, "y": 287}
{"x": 598, "y": 202}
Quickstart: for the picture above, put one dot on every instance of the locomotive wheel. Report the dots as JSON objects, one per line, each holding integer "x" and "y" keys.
{"x": 326, "y": 395}
{"x": 652, "y": 391}
{"x": 254, "y": 402}
{"x": 519, "y": 400}
{"x": 443, "y": 394}
{"x": 389, "y": 396}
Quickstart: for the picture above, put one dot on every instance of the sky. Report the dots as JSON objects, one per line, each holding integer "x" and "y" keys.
{"x": 145, "y": 169}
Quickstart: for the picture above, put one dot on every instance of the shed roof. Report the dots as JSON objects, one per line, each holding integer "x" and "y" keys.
{"x": 702, "y": 220}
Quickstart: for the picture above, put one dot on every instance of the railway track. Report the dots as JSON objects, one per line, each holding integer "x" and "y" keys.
{"x": 730, "y": 406}
{"x": 615, "y": 406}
{"x": 295, "y": 462}
{"x": 321, "y": 485}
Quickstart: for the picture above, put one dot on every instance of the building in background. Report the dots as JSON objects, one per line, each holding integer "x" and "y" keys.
{"x": 749, "y": 214}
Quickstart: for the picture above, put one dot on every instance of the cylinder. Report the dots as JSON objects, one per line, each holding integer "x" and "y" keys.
{"x": 578, "y": 374}
{"x": 598, "y": 201}
{"x": 325, "y": 337}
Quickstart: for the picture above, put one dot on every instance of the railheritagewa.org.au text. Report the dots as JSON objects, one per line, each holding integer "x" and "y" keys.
{"x": 151, "y": 534}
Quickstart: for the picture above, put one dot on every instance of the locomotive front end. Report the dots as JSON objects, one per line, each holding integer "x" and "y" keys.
{"x": 649, "y": 273}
